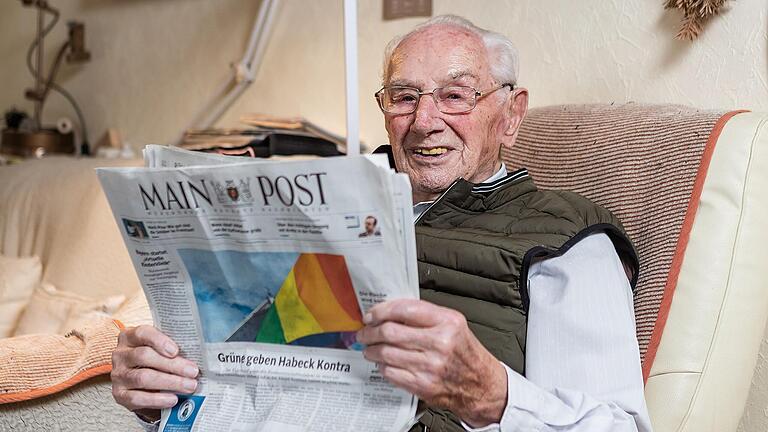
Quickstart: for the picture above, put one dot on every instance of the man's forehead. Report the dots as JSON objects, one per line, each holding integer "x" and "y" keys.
{"x": 405, "y": 77}
{"x": 441, "y": 54}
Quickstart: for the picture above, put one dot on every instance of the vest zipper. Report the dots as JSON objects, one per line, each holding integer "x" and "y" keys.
{"x": 442, "y": 195}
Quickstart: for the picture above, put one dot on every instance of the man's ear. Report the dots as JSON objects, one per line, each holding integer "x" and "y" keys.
{"x": 518, "y": 108}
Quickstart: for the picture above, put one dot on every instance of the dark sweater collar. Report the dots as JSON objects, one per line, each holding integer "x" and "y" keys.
{"x": 470, "y": 197}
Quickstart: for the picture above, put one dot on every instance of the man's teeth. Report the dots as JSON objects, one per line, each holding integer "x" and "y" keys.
{"x": 432, "y": 151}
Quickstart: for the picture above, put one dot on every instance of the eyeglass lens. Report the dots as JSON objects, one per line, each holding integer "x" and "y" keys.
{"x": 404, "y": 100}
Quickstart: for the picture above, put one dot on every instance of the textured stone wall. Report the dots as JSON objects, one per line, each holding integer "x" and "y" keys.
{"x": 755, "y": 416}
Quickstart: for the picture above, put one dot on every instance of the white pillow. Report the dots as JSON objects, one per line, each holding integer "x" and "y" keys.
{"x": 135, "y": 311}
{"x": 54, "y": 311}
{"x": 18, "y": 279}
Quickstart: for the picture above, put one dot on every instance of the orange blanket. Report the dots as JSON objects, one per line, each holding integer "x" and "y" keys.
{"x": 42, "y": 364}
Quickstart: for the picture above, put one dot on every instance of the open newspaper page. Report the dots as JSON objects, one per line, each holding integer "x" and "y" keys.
{"x": 262, "y": 272}
{"x": 157, "y": 156}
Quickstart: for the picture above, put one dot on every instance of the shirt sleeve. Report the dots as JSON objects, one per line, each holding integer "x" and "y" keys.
{"x": 583, "y": 369}
{"x": 148, "y": 427}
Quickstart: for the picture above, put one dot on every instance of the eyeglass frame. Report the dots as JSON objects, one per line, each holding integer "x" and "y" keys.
{"x": 477, "y": 96}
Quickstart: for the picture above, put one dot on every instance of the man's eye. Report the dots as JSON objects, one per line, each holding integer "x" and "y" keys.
{"x": 454, "y": 96}
{"x": 403, "y": 98}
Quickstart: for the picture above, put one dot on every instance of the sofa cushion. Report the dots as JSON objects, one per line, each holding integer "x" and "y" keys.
{"x": 135, "y": 311}
{"x": 54, "y": 311}
{"x": 87, "y": 406}
{"x": 18, "y": 279}
{"x": 54, "y": 208}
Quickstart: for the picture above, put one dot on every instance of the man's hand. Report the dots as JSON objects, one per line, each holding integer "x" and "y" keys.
{"x": 147, "y": 371}
{"x": 430, "y": 351}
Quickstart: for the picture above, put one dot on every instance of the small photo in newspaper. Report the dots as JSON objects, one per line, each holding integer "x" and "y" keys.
{"x": 287, "y": 298}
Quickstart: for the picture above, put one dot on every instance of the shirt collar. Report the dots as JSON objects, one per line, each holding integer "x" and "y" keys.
{"x": 419, "y": 208}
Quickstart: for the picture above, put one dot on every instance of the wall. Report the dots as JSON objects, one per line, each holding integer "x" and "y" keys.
{"x": 154, "y": 62}
{"x": 756, "y": 412}
{"x": 610, "y": 51}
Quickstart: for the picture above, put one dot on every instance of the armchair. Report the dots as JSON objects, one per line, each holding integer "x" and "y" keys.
{"x": 689, "y": 186}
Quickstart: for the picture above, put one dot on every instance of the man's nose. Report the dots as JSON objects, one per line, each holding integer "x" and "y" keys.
{"x": 427, "y": 118}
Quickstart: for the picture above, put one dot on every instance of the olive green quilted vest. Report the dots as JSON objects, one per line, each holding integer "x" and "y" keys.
{"x": 475, "y": 244}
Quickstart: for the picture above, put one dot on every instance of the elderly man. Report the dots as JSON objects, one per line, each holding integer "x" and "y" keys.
{"x": 526, "y": 321}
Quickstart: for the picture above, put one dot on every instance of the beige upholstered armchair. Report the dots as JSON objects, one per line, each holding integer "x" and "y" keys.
{"x": 691, "y": 188}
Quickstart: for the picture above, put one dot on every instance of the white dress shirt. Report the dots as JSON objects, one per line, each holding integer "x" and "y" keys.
{"x": 582, "y": 362}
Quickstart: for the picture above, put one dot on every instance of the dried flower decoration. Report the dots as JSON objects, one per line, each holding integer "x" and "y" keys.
{"x": 695, "y": 13}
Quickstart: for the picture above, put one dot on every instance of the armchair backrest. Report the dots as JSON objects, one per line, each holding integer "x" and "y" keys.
{"x": 684, "y": 183}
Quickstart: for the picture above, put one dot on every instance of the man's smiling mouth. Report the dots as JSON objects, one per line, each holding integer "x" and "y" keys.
{"x": 436, "y": 151}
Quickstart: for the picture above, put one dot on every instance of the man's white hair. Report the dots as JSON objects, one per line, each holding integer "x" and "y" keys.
{"x": 502, "y": 54}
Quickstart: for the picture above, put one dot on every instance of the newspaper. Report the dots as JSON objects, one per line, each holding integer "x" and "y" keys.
{"x": 261, "y": 272}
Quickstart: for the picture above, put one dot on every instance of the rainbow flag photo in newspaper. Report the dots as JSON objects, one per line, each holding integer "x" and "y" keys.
{"x": 287, "y": 298}
{"x": 316, "y": 298}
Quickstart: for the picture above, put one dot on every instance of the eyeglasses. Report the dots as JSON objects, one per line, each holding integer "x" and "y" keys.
{"x": 401, "y": 100}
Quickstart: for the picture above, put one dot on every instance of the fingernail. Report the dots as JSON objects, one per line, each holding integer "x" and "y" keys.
{"x": 171, "y": 401}
{"x": 190, "y": 385}
{"x": 170, "y": 348}
{"x": 191, "y": 371}
{"x": 367, "y": 318}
